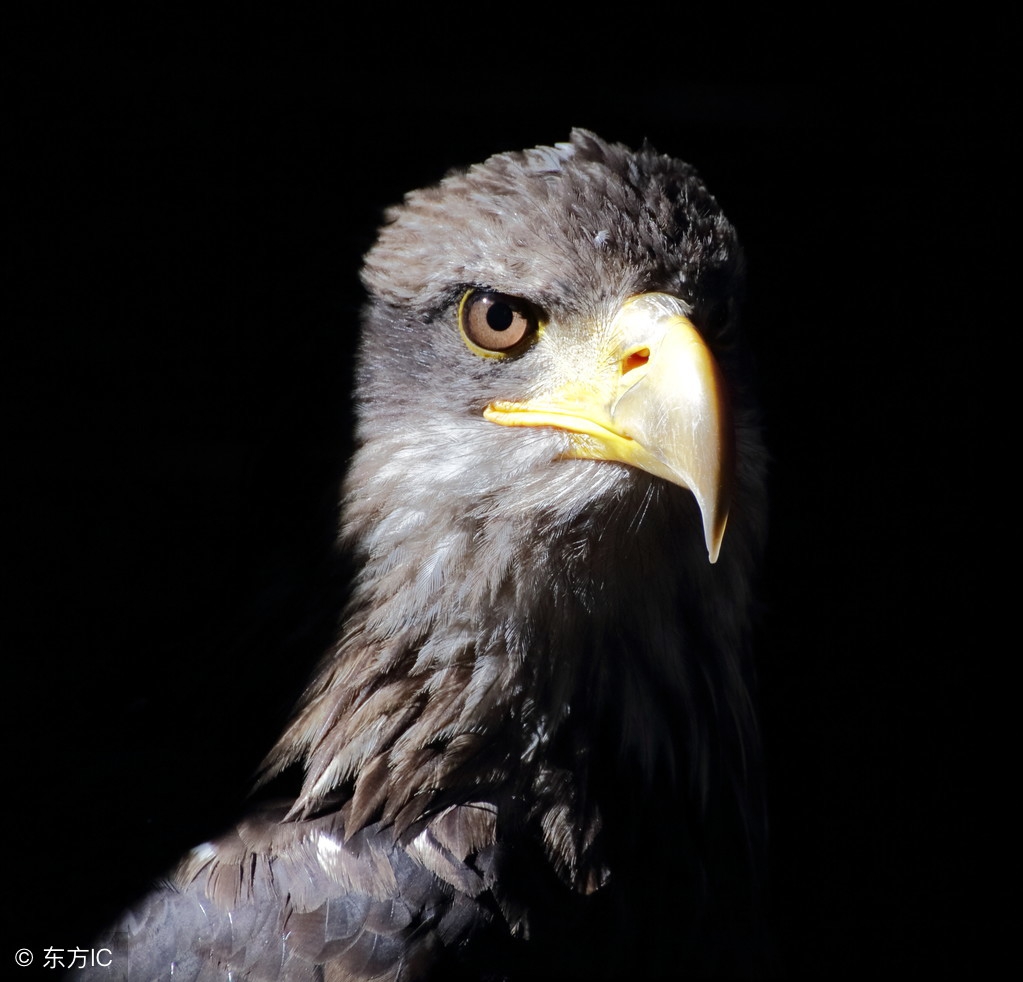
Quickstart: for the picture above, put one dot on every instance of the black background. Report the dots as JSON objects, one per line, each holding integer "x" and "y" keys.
{"x": 196, "y": 197}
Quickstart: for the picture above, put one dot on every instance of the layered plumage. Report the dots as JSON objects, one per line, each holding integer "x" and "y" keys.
{"x": 532, "y": 750}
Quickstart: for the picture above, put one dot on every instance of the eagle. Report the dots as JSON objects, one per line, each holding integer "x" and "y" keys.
{"x": 532, "y": 751}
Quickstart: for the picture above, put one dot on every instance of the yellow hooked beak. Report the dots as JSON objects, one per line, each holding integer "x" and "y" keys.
{"x": 653, "y": 397}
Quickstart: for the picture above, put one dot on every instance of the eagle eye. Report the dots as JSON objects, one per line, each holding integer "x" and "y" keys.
{"x": 495, "y": 324}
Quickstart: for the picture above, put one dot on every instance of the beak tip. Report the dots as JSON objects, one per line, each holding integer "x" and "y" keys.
{"x": 714, "y": 534}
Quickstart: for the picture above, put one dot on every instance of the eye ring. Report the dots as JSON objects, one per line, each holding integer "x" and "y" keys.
{"x": 496, "y": 324}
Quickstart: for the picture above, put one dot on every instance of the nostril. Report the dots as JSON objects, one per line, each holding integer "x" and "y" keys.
{"x": 635, "y": 359}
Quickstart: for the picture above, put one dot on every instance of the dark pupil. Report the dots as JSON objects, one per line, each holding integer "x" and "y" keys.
{"x": 500, "y": 317}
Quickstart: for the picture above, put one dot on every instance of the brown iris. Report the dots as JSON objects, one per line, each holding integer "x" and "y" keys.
{"x": 495, "y": 323}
